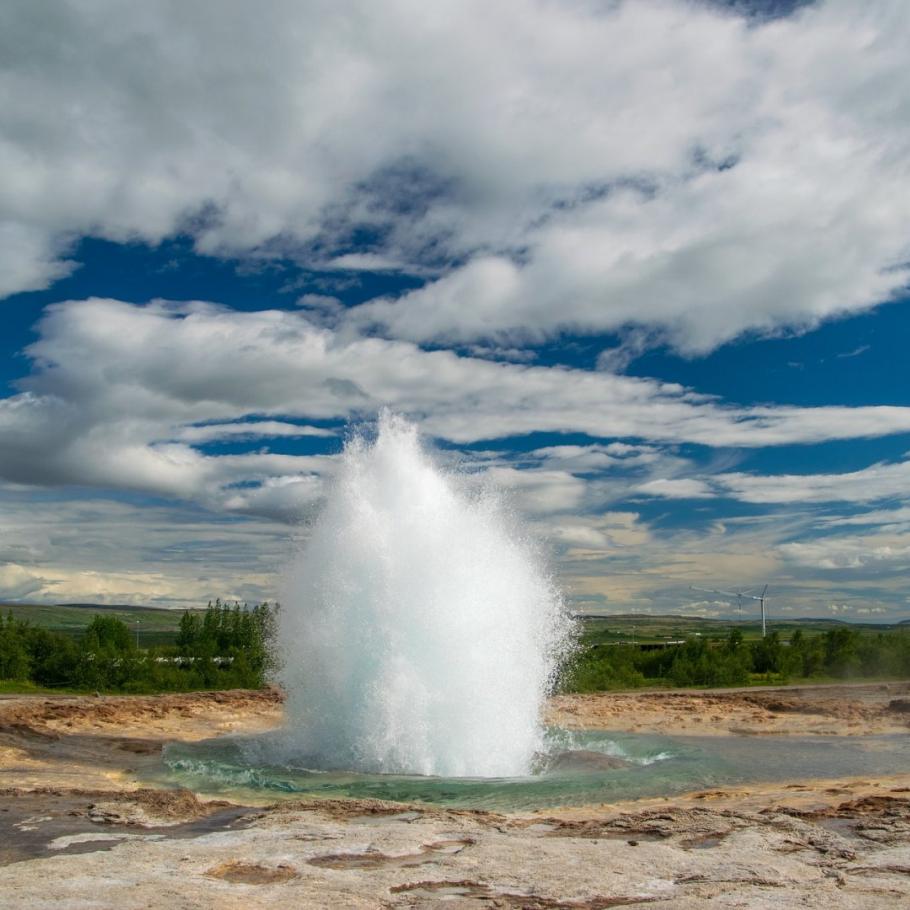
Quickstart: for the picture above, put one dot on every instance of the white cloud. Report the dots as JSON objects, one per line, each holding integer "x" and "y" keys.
{"x": 587, "y": 536}
{"x": 558, "y": 165}
{"x": 900, "y": 518}
{"x": 878, "y": 481}
{"x": 115, "y": 385}
{"x": 248, "y": 429}
{"x": 598, "y": 457}
{"x": 70, "y": 548}
{"x": 883, "y": 552}
{"x": 539, "y": 492}
{"x": 364, "y": 262}
{"x": 17, "y": 582}
{"x": 676, "y": 488}
{"x": 30, "y": 257}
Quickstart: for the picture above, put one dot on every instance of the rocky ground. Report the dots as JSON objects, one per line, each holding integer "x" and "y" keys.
{"x": 834, "y": 710}
{"x": 77, "y": 829}
{"x": 112, "y": 741}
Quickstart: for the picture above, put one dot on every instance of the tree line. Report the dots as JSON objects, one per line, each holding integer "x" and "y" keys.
{"x": 840, "y": 653}
{"x": 228, "y": 646}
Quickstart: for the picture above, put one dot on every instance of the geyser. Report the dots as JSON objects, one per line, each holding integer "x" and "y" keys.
{"x": 421, "y": 631}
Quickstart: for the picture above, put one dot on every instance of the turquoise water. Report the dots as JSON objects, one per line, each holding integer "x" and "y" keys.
{"x": 568, "y": 774}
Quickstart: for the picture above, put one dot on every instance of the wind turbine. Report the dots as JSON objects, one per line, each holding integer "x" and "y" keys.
{"x": 739, "y": 595}
{"x": 761, "y": 600}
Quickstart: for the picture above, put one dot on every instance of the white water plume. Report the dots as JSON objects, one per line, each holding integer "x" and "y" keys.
{"x": 421, "y": 631}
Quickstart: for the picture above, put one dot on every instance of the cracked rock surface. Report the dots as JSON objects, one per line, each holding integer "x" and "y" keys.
{"x": 853, "y": 853}
{"x": 79, "y": 830}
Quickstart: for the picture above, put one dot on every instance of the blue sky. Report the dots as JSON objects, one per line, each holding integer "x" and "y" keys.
{"x": 643, "y": 266}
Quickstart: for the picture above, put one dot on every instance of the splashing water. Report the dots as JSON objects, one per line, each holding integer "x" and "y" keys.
{"x": 421, "y": 632}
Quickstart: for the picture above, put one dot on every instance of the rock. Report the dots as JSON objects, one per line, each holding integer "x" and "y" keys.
{"x": 239, "y": 872}
{"x": 586, "y": 760}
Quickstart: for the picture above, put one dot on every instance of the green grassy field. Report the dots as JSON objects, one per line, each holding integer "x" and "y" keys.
{"x": 156, "y": 626}
{"x": 644, "y": 629}
{"x": 23, "y": 687}
{"x": 159, "y": 626}
{"x": 617, "y": 651}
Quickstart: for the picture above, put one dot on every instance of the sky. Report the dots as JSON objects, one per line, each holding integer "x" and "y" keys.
{"x": 643, "y": 266}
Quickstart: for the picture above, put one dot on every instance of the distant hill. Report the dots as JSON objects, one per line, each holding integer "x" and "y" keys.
{"x": 656, "y": 627}
{"x": 156, "y": 625}
{"x": 121, "y": 607}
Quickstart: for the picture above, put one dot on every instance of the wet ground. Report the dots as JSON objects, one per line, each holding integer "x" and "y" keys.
{"x": 36, "y": 825}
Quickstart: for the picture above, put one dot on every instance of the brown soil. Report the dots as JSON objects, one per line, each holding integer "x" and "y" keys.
{"x": 252, "y": 873}
{"x": 843, "y": 710}
{"x": 113, "y": 742}
{"x": 148, "y": 713}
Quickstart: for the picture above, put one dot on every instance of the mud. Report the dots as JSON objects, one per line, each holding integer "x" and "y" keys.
{"x": 44, "y": 823}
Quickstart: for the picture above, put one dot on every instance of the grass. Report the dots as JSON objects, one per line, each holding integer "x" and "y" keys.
{"x": 156, "y": 626}
{"x": 24, "y": 687}
{"x": 644, "y": 629}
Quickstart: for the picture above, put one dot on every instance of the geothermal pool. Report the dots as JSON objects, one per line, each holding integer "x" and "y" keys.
{"x": 567, "y": 773}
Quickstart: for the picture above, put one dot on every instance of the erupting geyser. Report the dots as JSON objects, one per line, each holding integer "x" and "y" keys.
{"x": 421, "y": 632}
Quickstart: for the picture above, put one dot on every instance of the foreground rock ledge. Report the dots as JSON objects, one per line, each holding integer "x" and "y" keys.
{"x": 75, "y": 814}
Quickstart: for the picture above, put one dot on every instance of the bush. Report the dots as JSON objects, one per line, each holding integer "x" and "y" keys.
{"x": 842, "y": 652}
{"x": 229, "y": 647}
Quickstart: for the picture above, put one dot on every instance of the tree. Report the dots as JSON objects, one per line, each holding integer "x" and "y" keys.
{"x": 14, "y": 656}
{"x": 840, "y": 647}
{"x": 188, "y": 634}
{"x": 767, "y": 654}
{"x": 109, "y": 634}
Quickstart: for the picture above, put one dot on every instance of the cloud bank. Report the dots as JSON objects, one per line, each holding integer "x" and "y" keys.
{"x": 584, "y": 166}
{"x": 125, "y": 396}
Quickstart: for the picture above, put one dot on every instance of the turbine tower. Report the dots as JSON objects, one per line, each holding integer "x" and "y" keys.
{"x": 739, "y": 595}
{"x": 761, "y": 600}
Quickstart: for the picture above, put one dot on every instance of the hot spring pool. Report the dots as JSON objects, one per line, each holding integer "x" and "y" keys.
{"x": 571, "y": 773}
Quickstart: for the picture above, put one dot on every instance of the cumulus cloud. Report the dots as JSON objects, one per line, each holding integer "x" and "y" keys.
{"x": 898, "y": 518}
{"x": 546, "y": 166}
{"x": 598, "y": 456}
{"x": 248, "y": 429}
{"x": 590, "y": 536}
{"x": 123, "y": 396}
{"x": 879, "y": 552}
{"x": 77, "y": 548}
{"x": 880, "y": 481}
{"x": 876, "y": 482}
{"x": 676, "y": 488}
{"x": 17, "y": 582}
{"x": 539, "y": 492}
